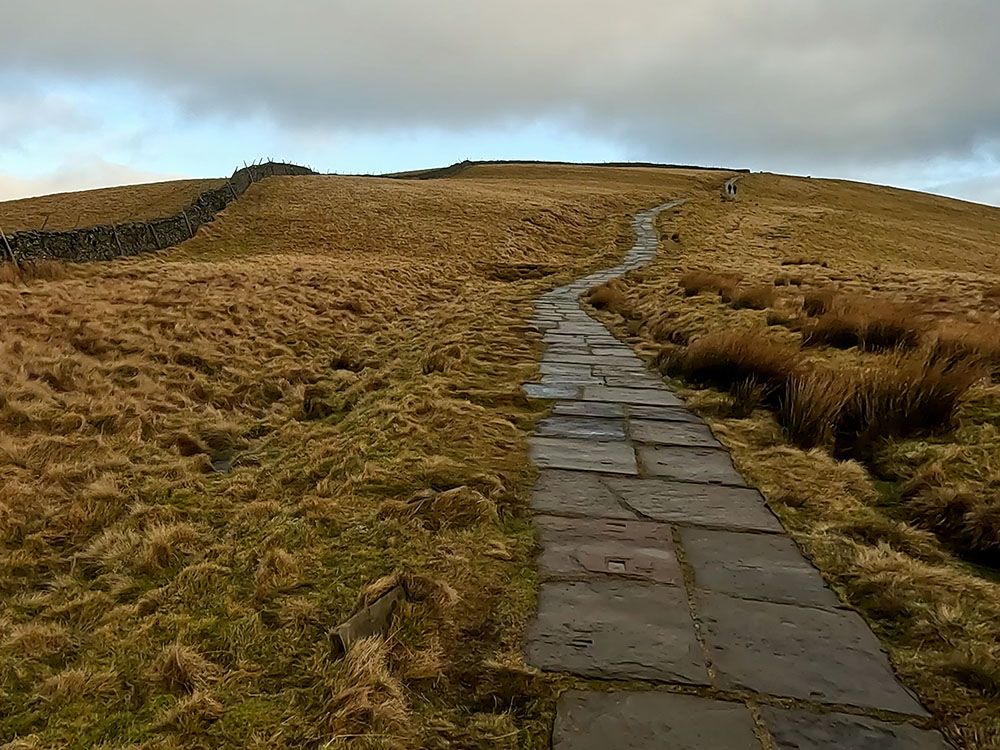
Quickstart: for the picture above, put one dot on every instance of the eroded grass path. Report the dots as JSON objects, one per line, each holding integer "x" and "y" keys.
{"x": 663, "y": 569}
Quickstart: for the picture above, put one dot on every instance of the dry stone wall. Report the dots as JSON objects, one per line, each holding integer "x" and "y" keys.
{"x": 132, "y": 238}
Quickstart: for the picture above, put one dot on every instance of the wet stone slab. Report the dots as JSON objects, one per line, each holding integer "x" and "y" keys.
{"x": 586, "y": 547}
{"x": 556, "y": 368}
{"x": 672, "y": 433}
{"x": 588, "y": 409}
{"x": 576, "y": 493}
{"x": 754, "y": 566}
{"x": 650, "y": 721}
{"x": 582, "y": 455}
{"x": 825, "y": 656}
{"x": 739, "y": 508}
{"x": 562, "y": 379}
{"x": 663, "y": 413}
{"x": 641, "y": 396}
{"x": 582, "y": 427}
{"x": 615, "y": 630}
{"x": 794, "y": 729}
{"x": 683, "y": 464}
{"x": 538, "y": 390}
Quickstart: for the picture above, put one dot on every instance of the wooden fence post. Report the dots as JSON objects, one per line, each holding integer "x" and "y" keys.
{"x": 187, "y": 221}
{"x": 118, "y": 242}
{"x": 155, "y": 238}
{"x": 10, "y": 253}
{"x": 231, "y": 188}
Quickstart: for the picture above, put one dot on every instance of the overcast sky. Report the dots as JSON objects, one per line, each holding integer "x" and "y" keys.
{"x": 96, "y": 92}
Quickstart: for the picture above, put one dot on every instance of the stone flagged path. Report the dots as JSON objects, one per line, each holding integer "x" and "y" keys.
{"x": 660, "y": 565}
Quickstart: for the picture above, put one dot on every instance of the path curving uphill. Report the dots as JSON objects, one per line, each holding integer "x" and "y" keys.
{"x": 661, "y": 567}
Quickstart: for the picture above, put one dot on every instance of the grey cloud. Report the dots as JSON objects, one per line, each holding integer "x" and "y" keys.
{"x": 766, "y": 82}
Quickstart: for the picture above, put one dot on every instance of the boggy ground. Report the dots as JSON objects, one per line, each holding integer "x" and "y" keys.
{"x": 844, "y": 342}
{"x": 207, "y": 459}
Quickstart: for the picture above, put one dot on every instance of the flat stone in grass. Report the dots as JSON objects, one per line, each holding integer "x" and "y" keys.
{"x": 575, "y": 493}
{"x": 650, "y": 720}
{"x": 587, "y": 548}
{"x": 582, "y": 455}
{"x": 620, "y": 630}
{"x": 740, "y": 508}
{"x": 825, "y": 656}
{"x": 582, "y": 427}
{"x": 706, "y": 465}
{"x": 538, "y": 390}
{"x": 793, "y": 729}
{"x": 663, "y": 413}
{"x": 754, "y": 566}
{"x": 643, "y": 396}
{"x": 672, "y": 433}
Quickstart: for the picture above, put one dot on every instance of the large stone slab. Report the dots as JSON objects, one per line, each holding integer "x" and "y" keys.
{"x": 588, "y": 409}
{"x": 586, "y": 359}
{"x": 588, "y": 428}
{"x": 706, "y": 465}
{"x": 587, "y": 547}
{"x": 620, "y": 630}
{"x": 826, "y": 656}
{"x": 650, "y": 721}
{"x": 740, "y": 508}
{"x": 754, "y": 566}
{"x": 632, "y": 380}
{"x": 672, "y": 433}
{"x": 582, "y": 455}
{"x": 537, "y": 390}
{"x": 576, "y": 493}
{"x": 663, "y": 413}
{"x": 575, "y": 379}
{"x": 642, "y": 396}
{"x": 558, "y": 368}
{"x": 794, "y": 729}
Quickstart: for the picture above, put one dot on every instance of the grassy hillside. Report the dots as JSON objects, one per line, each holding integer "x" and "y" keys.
{"x": 346, "y": 346}
{"x": 88, "y": 208}
{"x": 844, "y": 341}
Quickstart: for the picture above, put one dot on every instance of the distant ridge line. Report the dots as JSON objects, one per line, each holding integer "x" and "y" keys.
{"x": 458, "y": 167}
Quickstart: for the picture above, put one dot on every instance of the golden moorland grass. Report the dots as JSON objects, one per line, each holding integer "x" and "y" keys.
{"x": 863, "y": 401}
{"x": 88, "y": 208}
{"x": 353, "y": 349}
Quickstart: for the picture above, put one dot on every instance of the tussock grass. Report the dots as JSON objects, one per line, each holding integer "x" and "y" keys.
{"x": 696, "y": 282}
{"x": 338, "y": 347}
{"x": 729, "y": 360}
{"x": 758, "y": 297}
{"x": 882, "y": 463}
{"x": 32, "y": 270}
{"x": 870, "y": 324}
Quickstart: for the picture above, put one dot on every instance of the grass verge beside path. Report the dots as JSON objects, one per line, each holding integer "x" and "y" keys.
{"x": 346, "y": 346}
{"x": 836, "y": 319}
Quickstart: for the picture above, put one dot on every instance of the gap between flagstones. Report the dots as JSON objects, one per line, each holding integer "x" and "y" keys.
{"x": 668, "y": 586}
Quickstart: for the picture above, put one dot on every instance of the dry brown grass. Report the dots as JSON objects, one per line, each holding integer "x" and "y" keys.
{"x": 759, "y": 297}
{"x": 871, "y": 324}
{"x": 696, "y": 282}
{"x": 88, "y": 208}
{"x": 200, "y": 453}
{"x": 33, "y": 270}
{"x": 891, "y": 530}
